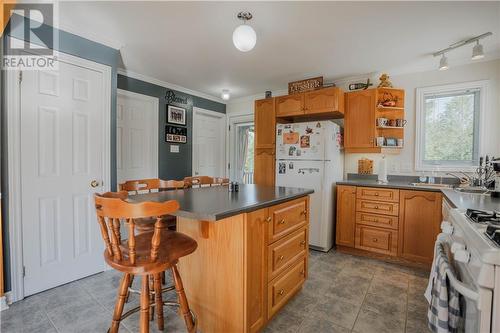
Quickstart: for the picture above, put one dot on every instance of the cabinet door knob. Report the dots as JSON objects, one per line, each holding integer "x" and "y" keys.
{"x": 302, "y": 243}
{"x": 303, "y": 272}
{"x": 375, "y": 240}
{"x": 268, "y": 219}
{"x": 281, "y": 292}
{"x": 280, "y": 258}
{"x": 376, "y": 194}
{"x": 304, "y": 212}
{"x": 282, "y": 221}
{"x": 376, "y": 207}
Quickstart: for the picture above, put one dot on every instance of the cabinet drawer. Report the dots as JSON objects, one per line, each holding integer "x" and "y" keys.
{"x": 287, "y": 250}
{"x": 287, "y": 217}
{"x": 281, "y": 289}
{"x": 376, "y": 220}
{"x": 377, "y": 240}
{"x": 378, "y": 194}
{"x": 387, "y": 208}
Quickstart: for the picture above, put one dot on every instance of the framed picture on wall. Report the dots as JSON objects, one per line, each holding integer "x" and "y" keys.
{"x": 176, "y": 115}
{"x": 175, "y": 134}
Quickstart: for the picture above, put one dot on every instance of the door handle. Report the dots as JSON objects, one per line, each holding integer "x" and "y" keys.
{"x": 94, "y": 183}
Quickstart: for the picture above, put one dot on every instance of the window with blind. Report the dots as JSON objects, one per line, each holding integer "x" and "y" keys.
{"x": 448, "y": 126}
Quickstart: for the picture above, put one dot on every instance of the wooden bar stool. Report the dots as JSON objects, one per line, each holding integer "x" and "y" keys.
{"x": 198, "y": 181}
{"x": 145, "y": 254}
{"x": 219, "y": 181}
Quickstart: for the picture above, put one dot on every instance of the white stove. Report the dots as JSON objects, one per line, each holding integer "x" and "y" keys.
{"x": 472, "y": 238}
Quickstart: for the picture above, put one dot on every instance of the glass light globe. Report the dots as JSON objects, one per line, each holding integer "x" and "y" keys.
{"x": 244, "y": 38}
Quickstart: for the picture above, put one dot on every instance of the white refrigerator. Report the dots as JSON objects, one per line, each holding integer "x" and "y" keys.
{"x": 308, "y": 155}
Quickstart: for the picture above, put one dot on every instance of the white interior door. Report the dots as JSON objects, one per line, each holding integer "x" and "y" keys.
{"x": 137, "y": 136}
{"x": 208, "y": 143}
{"x": 63, "y": 129}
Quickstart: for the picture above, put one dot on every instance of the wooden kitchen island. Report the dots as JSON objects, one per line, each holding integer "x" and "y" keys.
{"x": 252, "y": 254}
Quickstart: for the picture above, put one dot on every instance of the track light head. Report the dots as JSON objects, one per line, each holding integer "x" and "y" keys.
{"x": 477, "y": 51}
{"x": 443, "y": 63}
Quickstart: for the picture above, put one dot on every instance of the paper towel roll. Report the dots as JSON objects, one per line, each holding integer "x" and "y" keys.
{"x": 382, "y": 170}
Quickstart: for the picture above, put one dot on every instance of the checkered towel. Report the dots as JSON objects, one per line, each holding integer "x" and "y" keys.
{"x": 444, "y": 313}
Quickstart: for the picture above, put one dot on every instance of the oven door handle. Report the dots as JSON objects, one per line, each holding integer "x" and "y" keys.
{"x": 459, "y": 286}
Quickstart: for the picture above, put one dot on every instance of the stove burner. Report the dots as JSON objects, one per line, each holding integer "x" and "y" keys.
{"x": 493, "y": 233}
{"x": 480, "y": 216}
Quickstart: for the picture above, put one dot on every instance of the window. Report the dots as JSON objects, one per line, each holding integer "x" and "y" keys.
{"x": 448, "y": 126}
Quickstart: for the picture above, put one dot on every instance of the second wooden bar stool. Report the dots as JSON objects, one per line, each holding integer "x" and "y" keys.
{"x": 147, "y": 255}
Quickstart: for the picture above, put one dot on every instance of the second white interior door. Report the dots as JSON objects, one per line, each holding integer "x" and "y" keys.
{"x": 136, "y": 136}
{"x": 209, "y": 131}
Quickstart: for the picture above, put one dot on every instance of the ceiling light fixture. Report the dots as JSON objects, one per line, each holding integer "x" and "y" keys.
{"x": 244, "y": 37}
{"x": 477, "y": 51}
{"x": 443, "y": 63}
{"x": 225, "y": 95}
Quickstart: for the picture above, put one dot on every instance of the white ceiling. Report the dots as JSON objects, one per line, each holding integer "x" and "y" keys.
{"x": 190, "y": 43}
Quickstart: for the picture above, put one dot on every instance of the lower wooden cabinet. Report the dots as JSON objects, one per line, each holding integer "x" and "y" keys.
{"x": 277, "y": 261}
{"x": 392, "y": 222}
{"x": 346, "y": 215}
{"x": 419, "y": 221}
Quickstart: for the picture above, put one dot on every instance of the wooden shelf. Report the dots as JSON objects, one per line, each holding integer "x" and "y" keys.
{"x": 381, "y": 107}
{"x": 390, "y": 127}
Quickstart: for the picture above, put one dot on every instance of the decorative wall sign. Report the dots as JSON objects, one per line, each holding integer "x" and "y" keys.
{"x": 305, "y": 85}
{"x": 176, "y": 115}
{"x": 171, "y": 98}
{"x": 175, "y": 134}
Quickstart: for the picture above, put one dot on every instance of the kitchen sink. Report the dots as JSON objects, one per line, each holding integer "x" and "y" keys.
{"x": 472, "y": 190}
{"x": 432, "y": 185}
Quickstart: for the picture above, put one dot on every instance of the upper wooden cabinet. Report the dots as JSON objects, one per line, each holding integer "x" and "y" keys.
{"x": 265, "y": 123}
{"x": 419, "y": 221}
{"x": 324, "y": 101}
{"x": 327, "y": 103}
{"x": 346, "y": 215}
{"x": 363, "y": 108}
{"x": 290, "y": 105}
{"x": 359, "y": 119}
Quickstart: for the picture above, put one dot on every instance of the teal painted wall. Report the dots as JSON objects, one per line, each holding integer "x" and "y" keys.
{"x": 171, "y": 165}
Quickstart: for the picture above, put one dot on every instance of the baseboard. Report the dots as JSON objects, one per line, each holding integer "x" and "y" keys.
{"x": 4, "y": 301}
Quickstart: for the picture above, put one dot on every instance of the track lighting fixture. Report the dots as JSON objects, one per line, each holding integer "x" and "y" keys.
{"x": 477, "y": 51}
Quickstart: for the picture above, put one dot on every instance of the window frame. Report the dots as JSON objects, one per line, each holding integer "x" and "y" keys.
{"x": 482, "y": 86}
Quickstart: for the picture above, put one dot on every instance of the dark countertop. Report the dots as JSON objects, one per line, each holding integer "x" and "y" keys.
{"x": 456, "y": 199}
{"x": 216, "y": 203}
{"x": 473, "y": 201}
{"x": 402, "y": 185}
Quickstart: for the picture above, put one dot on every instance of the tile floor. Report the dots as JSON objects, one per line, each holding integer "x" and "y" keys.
{"x": 343, "y": 294}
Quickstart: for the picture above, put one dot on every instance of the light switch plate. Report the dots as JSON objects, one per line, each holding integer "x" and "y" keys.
{"x": 174, "y": 148}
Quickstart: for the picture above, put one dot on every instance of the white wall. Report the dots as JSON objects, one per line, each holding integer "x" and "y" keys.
{"x": 404, "y": 163}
